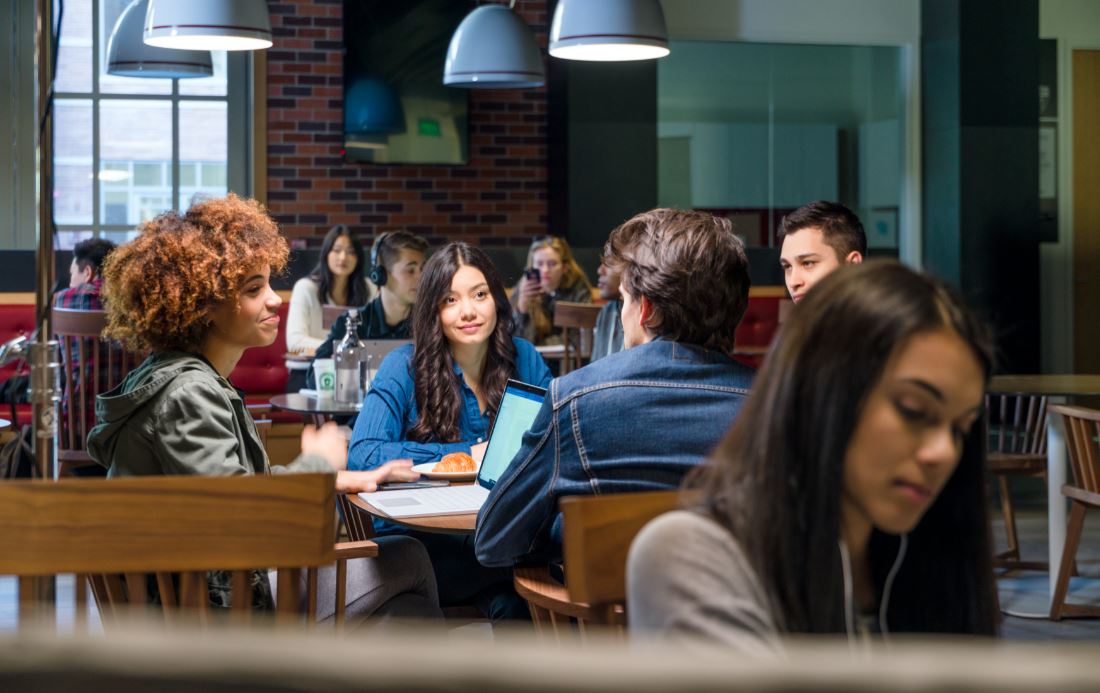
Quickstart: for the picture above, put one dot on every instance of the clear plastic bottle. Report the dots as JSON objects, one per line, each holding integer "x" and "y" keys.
{"x": 349, "y": 363}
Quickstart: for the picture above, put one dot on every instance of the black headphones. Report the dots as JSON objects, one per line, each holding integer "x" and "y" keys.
{"x": 377, "y": 274}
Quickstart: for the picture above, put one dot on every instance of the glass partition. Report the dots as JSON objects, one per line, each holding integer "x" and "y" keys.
{"x": 752, "y": 131}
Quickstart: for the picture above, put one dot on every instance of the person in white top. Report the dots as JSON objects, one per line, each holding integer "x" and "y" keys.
{"x": 338, "y": 279}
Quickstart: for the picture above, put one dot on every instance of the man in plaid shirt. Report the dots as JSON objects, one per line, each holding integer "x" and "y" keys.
{"x": 84, "y": 279}
{"x": 83, "y": 294}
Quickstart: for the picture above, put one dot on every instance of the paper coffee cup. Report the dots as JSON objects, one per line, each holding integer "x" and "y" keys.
{"x": 324, "y": 373}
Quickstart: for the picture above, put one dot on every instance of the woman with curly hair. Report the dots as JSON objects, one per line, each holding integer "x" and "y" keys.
{"x": 441, "y": 395}
{"x": 338, "y": 279}
{"x": 552, "y": 275}
{"x": 849, "y": 496}
{"x": 194, "y": 291}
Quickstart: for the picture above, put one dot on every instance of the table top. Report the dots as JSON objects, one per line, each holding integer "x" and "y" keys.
{"x": 1065, "y": 384}
{"x": 308, "y": 404}
{"x": 436, "y": 524}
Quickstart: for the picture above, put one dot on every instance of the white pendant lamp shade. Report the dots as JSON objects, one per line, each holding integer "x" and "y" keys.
{"x": 128, "y": 56}
{"x": 212, "y": 25}
{"x": 608, "y": 30}
{"x": 493, "y": 49}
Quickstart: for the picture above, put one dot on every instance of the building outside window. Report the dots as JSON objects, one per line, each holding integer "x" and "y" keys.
{"x": 128, "y": 148}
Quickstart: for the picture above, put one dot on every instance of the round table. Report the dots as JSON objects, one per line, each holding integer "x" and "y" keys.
{"x": 436, "y": 524}
{"x": 1056, "y": 388}
{"x": 312, "y": 409}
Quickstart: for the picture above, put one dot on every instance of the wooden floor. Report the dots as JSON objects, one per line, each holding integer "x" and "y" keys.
{"x": 1023, "y": 591}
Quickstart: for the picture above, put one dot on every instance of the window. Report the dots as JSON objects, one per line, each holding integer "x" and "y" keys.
{"x": 752, "y": 131}
{"x": 127, "y": 148}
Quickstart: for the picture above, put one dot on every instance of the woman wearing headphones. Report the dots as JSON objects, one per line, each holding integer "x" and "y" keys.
{"x": 396, "y": 259}
{"x": 337, "y": 279}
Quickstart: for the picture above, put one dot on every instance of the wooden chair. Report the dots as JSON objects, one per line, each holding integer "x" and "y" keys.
{"x": 118, "y": 531}
{"x": 577, "y": 322}
{"x": 1017, "y": 447}
{"x": 598, "y": 531}
{"x": 90, "y": 366}
{"x": 1082, "y": 428}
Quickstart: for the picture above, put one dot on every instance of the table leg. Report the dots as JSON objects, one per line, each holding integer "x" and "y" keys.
{"x": 1056, "y": 503}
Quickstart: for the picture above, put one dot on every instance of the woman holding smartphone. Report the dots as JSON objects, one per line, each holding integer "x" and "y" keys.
{"x": 845, "y": 500}
{"x": 440, "y": 396}
{"x": 552, "y": 275}
{"x": 194, "y": 291}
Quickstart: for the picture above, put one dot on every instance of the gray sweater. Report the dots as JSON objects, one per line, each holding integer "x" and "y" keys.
{"x": 688, "y": 580}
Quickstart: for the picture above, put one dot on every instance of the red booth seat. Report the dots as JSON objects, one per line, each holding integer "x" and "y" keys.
{"x": 15, "y": 320}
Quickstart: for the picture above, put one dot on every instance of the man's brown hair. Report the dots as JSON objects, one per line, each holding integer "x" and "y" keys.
{"x": 840, "y": 227}
{"x": 691, "y": 267}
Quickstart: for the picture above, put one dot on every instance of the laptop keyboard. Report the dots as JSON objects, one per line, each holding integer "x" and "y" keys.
{"x": 450, "y": 500}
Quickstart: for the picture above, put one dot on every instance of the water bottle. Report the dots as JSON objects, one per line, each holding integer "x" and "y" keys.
{"x": 349, "y": 375}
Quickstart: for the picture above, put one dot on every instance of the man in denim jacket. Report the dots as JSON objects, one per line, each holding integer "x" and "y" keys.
{"x": 640, "y": 419}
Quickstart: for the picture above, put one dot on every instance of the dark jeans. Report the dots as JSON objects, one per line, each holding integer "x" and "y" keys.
{"x": 462, "y": 580}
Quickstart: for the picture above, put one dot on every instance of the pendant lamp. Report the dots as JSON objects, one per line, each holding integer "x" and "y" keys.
{"x": 493, "y": 49}
{"x": 128, "y": 56}
{"x": 213, "y": 25}
{"x": 608, "y": 30}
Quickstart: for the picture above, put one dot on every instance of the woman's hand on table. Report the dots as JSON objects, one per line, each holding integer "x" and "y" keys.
{"x": 368, "y": 481}
{"x": 327, "y": 442}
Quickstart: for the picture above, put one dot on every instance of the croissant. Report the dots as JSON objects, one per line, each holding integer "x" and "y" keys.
{"x": 456, "y": 462}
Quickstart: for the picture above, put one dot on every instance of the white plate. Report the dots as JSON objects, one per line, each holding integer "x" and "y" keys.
{"x": 426, "y": 470}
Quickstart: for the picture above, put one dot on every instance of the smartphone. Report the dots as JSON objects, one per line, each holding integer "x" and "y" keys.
{"x": 423, "y": 483}
{"x": 532, "y": 273}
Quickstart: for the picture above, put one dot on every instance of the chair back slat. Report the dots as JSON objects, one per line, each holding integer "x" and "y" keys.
{"x": 1082, "y": 428}
{"x": 1017, "y": 423}
{"x": 598, "y": 531}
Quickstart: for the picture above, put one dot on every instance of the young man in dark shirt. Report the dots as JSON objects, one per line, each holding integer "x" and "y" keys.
{"x": 816, "y": 239}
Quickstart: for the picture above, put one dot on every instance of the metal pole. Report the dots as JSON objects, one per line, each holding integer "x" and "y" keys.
{"x": 43, "y": 359}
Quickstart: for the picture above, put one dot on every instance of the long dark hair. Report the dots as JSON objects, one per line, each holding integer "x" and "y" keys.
{"x": 357, "y": 288}
{"x": 776, "y": 478}
{"x": 438, "y": 390}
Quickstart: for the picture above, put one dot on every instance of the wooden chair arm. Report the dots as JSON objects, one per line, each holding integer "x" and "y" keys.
{"x": 346, "y": 550}
{"x": 537, "y": 586}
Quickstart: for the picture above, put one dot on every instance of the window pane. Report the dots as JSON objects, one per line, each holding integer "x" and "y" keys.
{"x": 189, "y": 175}
{"x": 751, "y": 131}
{"x": 119, "y": 237}
{"x": 110, "y": 84}
{"x": 137, "y": 133}
{"x": 67, "y": 239}
{"x": 213, "y": 85}
{"x": 72, "y": 159}
{"x": 203, "y": 141}
{"x": 74, "y": 59}
{"x": 151, "y": 175}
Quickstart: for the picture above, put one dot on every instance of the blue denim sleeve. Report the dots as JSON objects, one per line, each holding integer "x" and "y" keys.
{"x": 515, "y": 521}
{"x": 380, "y": 434}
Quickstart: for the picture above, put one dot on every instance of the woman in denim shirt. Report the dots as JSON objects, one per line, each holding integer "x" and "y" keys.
{"x": 441, "y": 395}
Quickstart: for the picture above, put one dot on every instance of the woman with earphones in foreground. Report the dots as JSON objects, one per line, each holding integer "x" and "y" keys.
{"x": 849, "y": 496}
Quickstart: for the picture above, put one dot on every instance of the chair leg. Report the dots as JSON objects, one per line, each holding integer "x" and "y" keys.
{"x": 1069, "y": 553}
{"x": 1008, "y": 513}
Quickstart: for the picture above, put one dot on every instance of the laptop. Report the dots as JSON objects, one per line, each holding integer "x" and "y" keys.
{"x": 518, "y": 407}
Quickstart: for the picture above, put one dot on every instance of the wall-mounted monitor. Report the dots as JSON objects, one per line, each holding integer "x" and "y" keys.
{"x": 396, "y": 109}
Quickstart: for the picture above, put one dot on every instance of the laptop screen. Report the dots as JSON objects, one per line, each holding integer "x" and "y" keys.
{"x": 518, "y": 407}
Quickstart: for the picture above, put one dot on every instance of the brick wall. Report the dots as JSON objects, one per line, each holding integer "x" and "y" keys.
{"x": 499, "y": 198}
